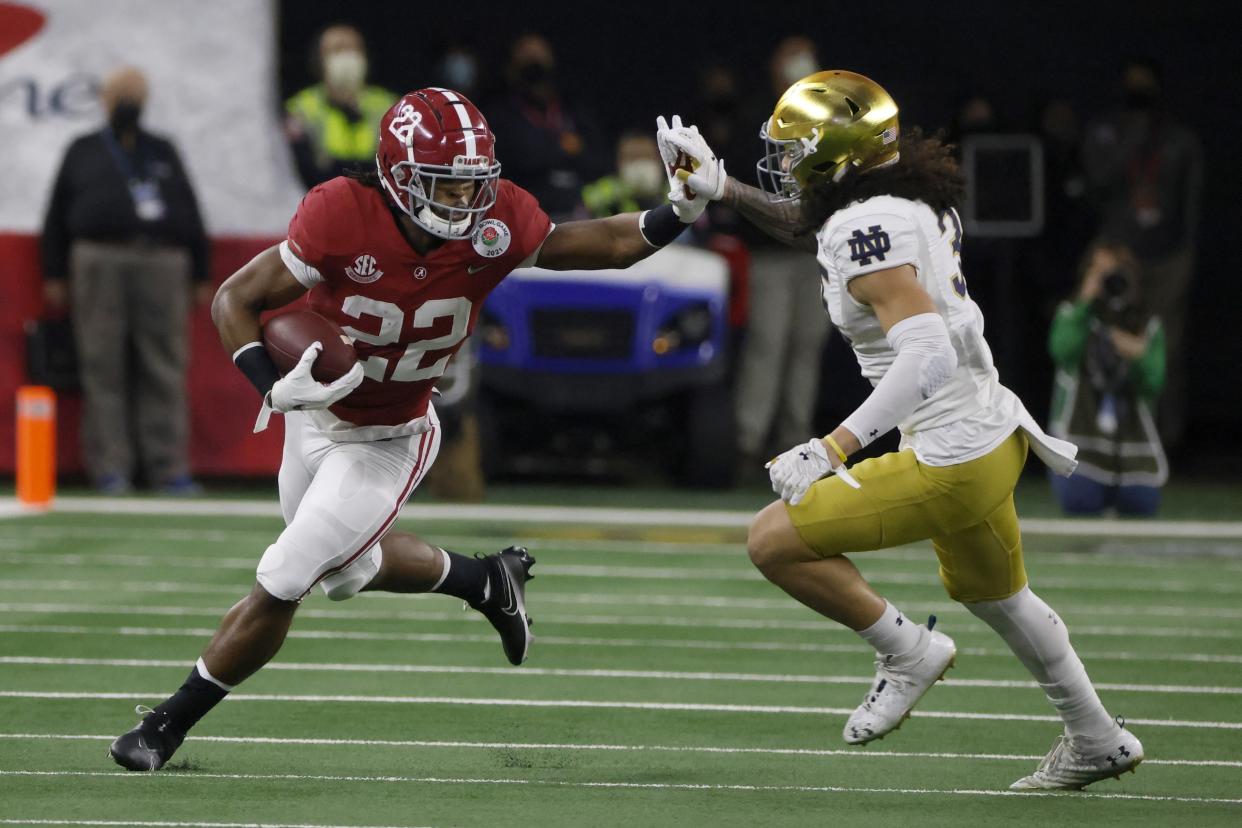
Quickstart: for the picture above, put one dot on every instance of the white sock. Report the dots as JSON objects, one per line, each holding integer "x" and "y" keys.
{"x": 1041, "y": 642}
{"x": 446, "y": 565}
{"x": 893, "y": 634}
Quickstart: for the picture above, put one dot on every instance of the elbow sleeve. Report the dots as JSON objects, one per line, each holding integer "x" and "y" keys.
{"x": 925, "y": 363}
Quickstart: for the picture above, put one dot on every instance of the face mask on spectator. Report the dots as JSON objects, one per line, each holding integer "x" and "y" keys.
{"x": 345, "y": 70}
{"x": 1141, "y": 97}
{"x": 643, "y": 176}
{"x": 534, "y": 73}
{"x": 124, "y": 116}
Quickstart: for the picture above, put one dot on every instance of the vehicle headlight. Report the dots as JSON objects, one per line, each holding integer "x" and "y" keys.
{"x": 492, "y": 332}
{"x": 690, "y": 327}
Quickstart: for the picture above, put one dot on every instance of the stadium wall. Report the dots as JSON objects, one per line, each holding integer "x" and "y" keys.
{"x": 211, "y": 68}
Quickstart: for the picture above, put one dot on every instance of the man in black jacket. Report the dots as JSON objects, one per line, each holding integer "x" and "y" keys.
{"x": 122, "y": 242}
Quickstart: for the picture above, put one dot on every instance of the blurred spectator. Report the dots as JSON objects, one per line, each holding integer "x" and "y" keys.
{"x": 331, "y": 126}
{"x": 639, "y": 182}
{"x": 459, "y": 70}
{"x": 1069, "y": 221}
{"x": 124, "y": 231}
{"x": 1146, "y": 174}
{"x": 975, "y": 116}
{"x": 1109, "y": 351}
{"x": 778, "y": 375}
{"x": 550, "y": 146}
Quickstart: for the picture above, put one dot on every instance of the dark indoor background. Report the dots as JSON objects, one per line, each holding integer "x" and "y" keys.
{"x": 628, "y": 62}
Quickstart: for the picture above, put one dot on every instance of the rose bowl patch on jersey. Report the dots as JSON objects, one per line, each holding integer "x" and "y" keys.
{"x": 491, "y": 238}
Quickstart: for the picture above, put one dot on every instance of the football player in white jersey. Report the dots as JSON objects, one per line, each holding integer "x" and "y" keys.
{"x": 878, "y": 210}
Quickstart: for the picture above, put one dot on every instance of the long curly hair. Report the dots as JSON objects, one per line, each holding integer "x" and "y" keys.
{"x": 926, "y": 172}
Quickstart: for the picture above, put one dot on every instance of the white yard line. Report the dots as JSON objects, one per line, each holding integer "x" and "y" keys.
{"x": 167, "y": 778}
{"x": 1080, "y": 527}
{"x": 597, "y": 643}
{"x": 658, "y": 675}
{"x": 587, "y": 704}
{"x": 1138, "y": 557}
{"x": 645, "y": 573}
{"x": 817, "y": 627}
{"x": 855, "y": 753}
{"x": 672, "y": 600}
{"x": 165, "y": 824}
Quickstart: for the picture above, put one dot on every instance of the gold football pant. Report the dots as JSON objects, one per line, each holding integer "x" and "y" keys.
{"x": 966, "y": 509}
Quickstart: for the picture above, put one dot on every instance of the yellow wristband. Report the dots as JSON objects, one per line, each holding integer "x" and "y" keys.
{"x": 835, "y": 447}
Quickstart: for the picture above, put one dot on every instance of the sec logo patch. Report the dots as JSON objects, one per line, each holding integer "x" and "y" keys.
{"x": 491, "y": 238}
{"x": 364, "y": 269}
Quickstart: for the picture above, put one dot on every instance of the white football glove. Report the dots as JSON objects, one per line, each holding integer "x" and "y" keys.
{"x": 708, "y": 171}
{"x": 708, "y": 175}
{"x": 299, "y": 391}
{"x": 794, "y": 471}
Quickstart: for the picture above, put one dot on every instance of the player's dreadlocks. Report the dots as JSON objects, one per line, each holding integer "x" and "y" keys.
{"x": 366, "y": 175}
{"x": 926, "y": 172}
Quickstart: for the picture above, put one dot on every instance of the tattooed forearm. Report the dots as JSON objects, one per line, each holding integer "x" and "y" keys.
{"x": 780, "y": 220}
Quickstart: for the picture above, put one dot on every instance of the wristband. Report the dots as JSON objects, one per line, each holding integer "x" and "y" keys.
{"x": 660, "y": 226}
{"x": 253, "y": 360}
{"x": 835, "y": 447}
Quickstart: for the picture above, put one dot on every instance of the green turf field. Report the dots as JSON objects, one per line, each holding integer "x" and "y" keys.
{"x": 669, "y": 685}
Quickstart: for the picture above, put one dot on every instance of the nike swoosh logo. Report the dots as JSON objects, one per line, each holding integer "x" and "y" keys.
{"x": 473, "y": 269}
{"x": 510, "y": 607}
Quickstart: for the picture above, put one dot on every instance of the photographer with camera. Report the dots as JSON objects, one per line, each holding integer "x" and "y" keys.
{"x": 1109, "y": 352}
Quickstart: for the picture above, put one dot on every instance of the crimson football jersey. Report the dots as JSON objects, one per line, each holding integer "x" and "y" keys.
{"x": 408, "y": 313}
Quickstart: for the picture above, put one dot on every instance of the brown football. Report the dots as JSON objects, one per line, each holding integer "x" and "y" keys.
{"x": 288, "y": 335}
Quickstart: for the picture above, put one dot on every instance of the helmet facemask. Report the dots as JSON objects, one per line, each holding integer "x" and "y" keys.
{"x": 417, "y": 184}
{"x": 780, "y": 162}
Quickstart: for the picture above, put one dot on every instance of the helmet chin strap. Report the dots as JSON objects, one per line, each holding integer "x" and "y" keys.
{"x": 443, "y": 227}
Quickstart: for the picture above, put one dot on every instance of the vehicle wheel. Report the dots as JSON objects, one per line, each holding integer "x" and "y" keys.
{"x": 490, "y": 445}
{"x": 710, "y": 458}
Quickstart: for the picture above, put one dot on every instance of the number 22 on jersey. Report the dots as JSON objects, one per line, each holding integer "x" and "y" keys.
{"x": 392, "y": 318}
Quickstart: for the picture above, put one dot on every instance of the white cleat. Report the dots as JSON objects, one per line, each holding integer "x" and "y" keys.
{"x": 899, "y": 684}
{"x": 1074, "y": 763}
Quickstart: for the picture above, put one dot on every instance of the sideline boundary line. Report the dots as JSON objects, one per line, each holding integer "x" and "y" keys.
{"x": 1065, "y": 527}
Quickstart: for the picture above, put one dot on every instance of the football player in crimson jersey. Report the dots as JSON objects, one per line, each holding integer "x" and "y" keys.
{"x": 402, "y": 259}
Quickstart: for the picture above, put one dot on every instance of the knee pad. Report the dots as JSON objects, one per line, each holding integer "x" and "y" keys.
{"x": 349, "y": 581}
{"x": 279, "y": 574}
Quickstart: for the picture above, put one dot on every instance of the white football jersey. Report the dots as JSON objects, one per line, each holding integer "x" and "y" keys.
{"x": 972, "y": 413}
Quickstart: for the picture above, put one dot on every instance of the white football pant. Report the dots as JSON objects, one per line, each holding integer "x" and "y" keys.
{"x": 338, "y": 500}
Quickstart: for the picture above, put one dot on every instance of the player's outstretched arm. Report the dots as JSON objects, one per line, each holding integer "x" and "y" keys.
{"x": 682, "y": 146}
{"x": 782, "y": 220}
{"x": 613, "y": 242}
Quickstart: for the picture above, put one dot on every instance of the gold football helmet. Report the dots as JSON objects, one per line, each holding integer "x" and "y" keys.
{"x": 825, "y": 126}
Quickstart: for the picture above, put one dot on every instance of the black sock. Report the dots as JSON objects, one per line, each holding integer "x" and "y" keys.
{"x": 192, "y": 701}
{"x": 466, "y": 578}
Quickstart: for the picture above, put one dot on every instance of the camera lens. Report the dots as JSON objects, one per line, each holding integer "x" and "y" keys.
{"x": 1116, "y": 283}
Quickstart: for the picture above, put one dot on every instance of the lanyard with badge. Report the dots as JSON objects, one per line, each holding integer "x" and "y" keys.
{"x": 144, "y": 189}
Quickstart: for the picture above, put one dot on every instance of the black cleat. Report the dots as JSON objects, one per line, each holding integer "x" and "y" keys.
{"x": 505, "y": 605}
{"x": 149, "y": 745}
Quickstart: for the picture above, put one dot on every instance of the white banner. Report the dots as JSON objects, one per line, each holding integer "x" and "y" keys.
{"x": 211, "y": 67}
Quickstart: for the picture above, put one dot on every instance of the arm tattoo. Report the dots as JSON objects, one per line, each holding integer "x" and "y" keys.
{"x": 779, "y": 220}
